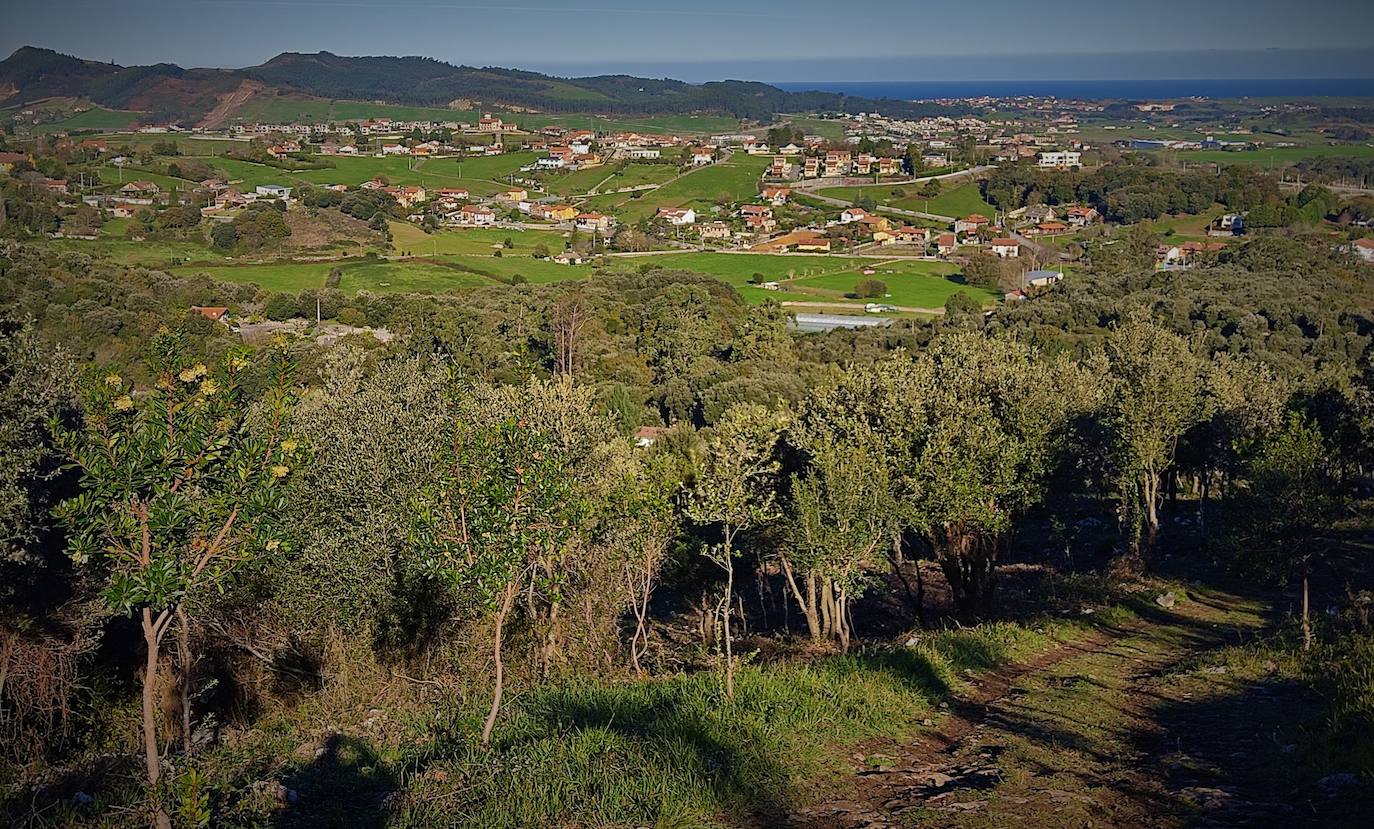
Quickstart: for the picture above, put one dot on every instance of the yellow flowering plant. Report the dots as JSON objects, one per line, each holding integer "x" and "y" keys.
{"x": 181, "y": 491}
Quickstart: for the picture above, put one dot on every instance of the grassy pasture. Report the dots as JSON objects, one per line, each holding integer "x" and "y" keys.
{"x": 737, "y": 179}
{"x": 96, "y": 118}
{"x": 957, "y": 201}
{"x": 477, "y": 241}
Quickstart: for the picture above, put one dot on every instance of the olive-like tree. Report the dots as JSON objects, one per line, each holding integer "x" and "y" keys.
{"x": 503, "y": 498}
{"x": 841, "y": 519}
{"x": 180, "y": 492}
{"x": 1157, "y": 391}
{"x": 1294, "y": 495}
{"x": 736, "y": 492}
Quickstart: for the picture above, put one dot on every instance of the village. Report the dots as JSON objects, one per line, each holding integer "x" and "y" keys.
{"x": 916, "y": 194}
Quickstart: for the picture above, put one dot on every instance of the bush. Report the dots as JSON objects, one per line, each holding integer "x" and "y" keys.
{"x": 281, "y": 307}
{"x": 541, "y": 251}
{"x": 225, "y": 236}
{"x": 869, "y": 288}
{"x": 352, "y": 316}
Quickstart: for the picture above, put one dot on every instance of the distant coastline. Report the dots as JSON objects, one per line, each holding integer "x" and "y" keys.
{"x": 1096, "y": 89}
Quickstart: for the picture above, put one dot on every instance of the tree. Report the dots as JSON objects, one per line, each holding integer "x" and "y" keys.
{"x": 1294, "y": 495}
{"x": 1157, "y": 392}
{"x": 506, "y": 502}
{"x": 224, "y": 235}
{"x": 868, "y": 288}
{"x": 180, "y": 491}
{"x": 841, "y": 518}
{"x": 641, "y": 523}
{"x": 735, "y": 492}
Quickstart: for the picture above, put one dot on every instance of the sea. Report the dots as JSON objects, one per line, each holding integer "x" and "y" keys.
{"x": 1131, "y": 90}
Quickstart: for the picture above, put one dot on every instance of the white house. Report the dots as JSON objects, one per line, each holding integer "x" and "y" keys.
{"x": 1006, "y": 248}
{"x": 853, "y": 214}
{"x": 1061, "y": 160}
{"x": 1364, "y": 248}
{"x": 473, "y": 215}
{"x": 273, "y": 191}
{"x": 678, "y": 216}
{"x": 395, "y": 149}
{"x": 645, "y": 152}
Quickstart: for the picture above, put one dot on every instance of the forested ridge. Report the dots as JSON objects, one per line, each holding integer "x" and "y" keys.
{"x": 255, "y": 581}
{"x": 187, "y": 94}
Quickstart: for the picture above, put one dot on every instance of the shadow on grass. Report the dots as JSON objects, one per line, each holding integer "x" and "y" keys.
{"x": 347, "y": 785}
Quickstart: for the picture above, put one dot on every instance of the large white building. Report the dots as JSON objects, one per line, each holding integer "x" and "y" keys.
{"x": 1061, "y": 159}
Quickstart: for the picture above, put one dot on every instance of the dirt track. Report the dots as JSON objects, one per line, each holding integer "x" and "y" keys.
{"x": 1127, "y": 727}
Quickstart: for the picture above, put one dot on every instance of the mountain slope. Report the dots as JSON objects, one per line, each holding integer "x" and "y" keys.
{"x": 170, "y": 93}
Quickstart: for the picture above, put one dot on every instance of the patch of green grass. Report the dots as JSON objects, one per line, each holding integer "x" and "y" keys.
{"x": 674, "y": 752}
{"x": 953, "y": 201}
{"x": 408, "y": 276}
{"x": 475, "y": 241}
{"x": 113, "y": 178}
{"x": 916, "y": 284}
{"x": 1274, "y": 156}
{"x": 736, "y": 180}
{"x": 278, "y": 276}
{"x": 95, "y": 118}
{"x": 957, "y": 202}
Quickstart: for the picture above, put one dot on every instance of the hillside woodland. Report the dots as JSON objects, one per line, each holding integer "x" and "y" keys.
{"x": 451, "y": 579}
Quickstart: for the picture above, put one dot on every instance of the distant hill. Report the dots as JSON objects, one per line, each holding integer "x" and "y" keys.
{"x": 170, "y": 93}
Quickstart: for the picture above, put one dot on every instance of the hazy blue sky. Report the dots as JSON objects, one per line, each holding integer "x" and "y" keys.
{"x": 703, "y": 39}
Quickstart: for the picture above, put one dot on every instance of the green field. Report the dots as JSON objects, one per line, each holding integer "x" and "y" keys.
{"x": 957, "y": 201}
{"x": 737, "y": 179}
{"x": 287, "y": 110}
{"x": 473, "y": 241}
{"x": 1274, "y": 156}
{"x": 609, "y": 178}
{"x": 410, "y": 276}
{"x": 152, "y": 253}
{"x": 478, "y": 175}
{"x": 95, "y": 118}
{"x": 113, "y": 177}
{"x": 829, "y": 128}
{"x": 913, "y": 284}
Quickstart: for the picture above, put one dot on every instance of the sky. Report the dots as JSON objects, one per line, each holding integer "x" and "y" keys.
{"x": 696, "y": 40}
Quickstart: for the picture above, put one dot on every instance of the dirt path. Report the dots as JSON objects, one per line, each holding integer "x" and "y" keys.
{"x": 229, "y": 104}
{"x": 1123, "y": 728}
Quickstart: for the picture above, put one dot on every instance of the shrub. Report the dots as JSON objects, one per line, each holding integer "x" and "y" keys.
{"x": 869, "y": 288}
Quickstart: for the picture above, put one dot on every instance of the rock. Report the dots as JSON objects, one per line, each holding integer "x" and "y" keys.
{"x": 944, "y": 705}
{"x": 1336, "y": 783}
{"x": 912, "y": 642}
{"x": 82, "y": 798}
{"x": 928, "y": 722}
{"x": 1269, "y": 666}
{"x": 1217, "y": 669}
{"x": 967, "y": 806}
{"x": 274, "y": 790}
{"x": 935, "y": 779}
{"x": 1166, "y": 600}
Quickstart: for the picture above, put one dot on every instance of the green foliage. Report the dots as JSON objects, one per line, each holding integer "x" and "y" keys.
{"x": 179, "y": 487}
{"x": 870, "y": 288}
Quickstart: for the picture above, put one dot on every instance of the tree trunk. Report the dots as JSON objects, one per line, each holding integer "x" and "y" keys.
{"x": 1306, "y": 613}
{"x": 187, "y": 661}
{"x": 506, "y": 601}
{"x": 725, "y": 624}
{"x": 152, "y": 638}
{"x": 808, "y": 607}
